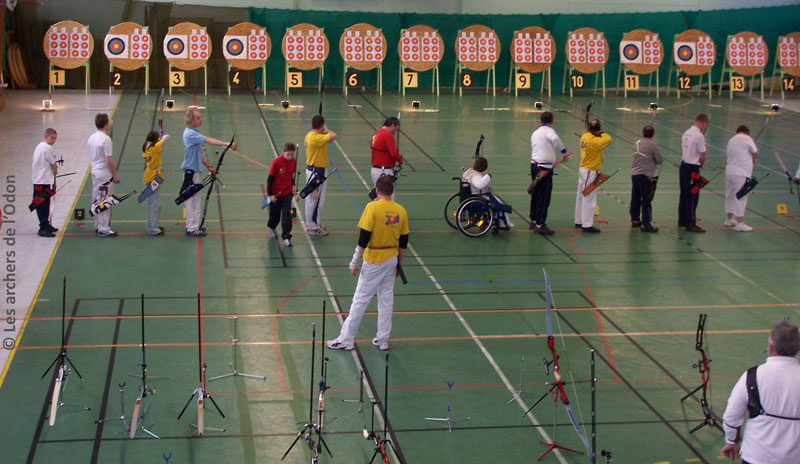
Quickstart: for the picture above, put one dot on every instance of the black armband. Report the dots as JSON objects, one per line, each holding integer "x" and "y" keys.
{"x": 404, "y": 241}
{"x": 363, "y": 237}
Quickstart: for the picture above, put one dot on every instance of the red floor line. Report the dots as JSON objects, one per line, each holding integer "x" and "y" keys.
{"x": 274, "y": 329}
{"x": 590, "y": 295}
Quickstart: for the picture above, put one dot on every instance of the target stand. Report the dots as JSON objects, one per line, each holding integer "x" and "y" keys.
{"x": 289, "y": 68}
{"x": 477, "y": 49}
{"x": 404, "y": 85}
{"x": 746, "y": 55}
{"x": 459, "y": 79}
{"x": 787, "y": 61}
{"x": 305, "y": 48}
{"x": 246, "y": 47}
{"x": 112, "y": 73}
{"x": 54, "y": 80}
{"x": 128, "y": 47}
{"x": 363, "y": 48}
{"x": 515, "y": 74}
{"x": 694, "y": 54}
{"x": 532, "y": 52}
{"x": 172, "y": 69}
{"x": 420, "y": 49}
{"x": 587, "y": 53}
{"x": 67, "y": 45}
{"x": 347, "y": 83}
{"x": 640, "y": 53}
{"x": 187, "y": 46}
{"x": 263, "y": 78}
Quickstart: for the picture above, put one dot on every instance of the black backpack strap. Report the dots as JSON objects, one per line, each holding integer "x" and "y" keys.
{"x": 753, "y": 399}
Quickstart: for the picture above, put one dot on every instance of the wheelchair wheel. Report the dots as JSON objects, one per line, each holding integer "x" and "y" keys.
{"x": 450, "y": 210}
{"x": 475, "y": 217}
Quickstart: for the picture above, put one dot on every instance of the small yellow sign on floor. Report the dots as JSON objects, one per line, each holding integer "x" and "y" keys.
{"x": 782, "y": 208}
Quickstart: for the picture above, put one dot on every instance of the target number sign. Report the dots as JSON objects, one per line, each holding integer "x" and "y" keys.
{"x": 235, "y": 77}
{"x": 353, "y": 79}
{"x": 295, "y": 79}
{"x": 788, "y": 84}
{"x": 577, "y": 81}
{"x": 632, "y": 82}
{"x": 684, "y": 82}
{"x": 57, "y": 77}
{"x": 115, "y": 78}
{"x": 410, "y": 79}
{"x": 737, "y": 83}
{"x": 177, "y": 79}
{"x": 467, "y": 80}
{"x": 523, "y": 80}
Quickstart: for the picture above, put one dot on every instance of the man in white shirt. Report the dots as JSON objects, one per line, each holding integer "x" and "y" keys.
{"x": 693, "y": 145}
{"x": 742, "y": 153}
{"x": 544, "y": 144}
{"x": 772, "y": 435}
{"x": 104, "y": 173}
{"x": 43, "y": 175}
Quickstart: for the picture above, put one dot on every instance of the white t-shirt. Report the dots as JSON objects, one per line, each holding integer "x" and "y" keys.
{"x": 693, "y": 143}
{"x": 479, "y": 182}
{"x": 741, "y": 149}
{"x": 43, "y": 158}
{"x": 544, "y": 144}
{"x": 99, "y": 148}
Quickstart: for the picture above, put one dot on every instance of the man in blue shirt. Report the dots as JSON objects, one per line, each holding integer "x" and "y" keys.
{"x": 193, "y": 161}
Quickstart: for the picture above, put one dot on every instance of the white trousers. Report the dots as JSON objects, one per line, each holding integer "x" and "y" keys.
{"x": 585, "y": 205}
{"x": 193, "y": 206}
{"x": 314, "y": 203}
{"x": 153, "y": 212}
{"x": 376, "y": 174}
{"x": 374, "y": 279}
{"x": 102, "y": 221}
{"x": 732, "y": 205}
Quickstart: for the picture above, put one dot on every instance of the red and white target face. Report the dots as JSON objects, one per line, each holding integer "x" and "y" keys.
{"x": 424, "y": 48}
{"x": 586, "y": 49}
{"x": 788, "y": 52}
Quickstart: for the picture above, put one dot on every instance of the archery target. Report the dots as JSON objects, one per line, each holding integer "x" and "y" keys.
{"x": 587, "y": 50}
{"x": 477, "y": 47}
{"x": 305, "y": 46}
{"x": 362, "y": 46}
{"x": 420, "y": 48}
{"x": 187, "y": 46}
{"x": 246, "y": 46}
{"x": 630, "y": 52}
{"x": 127, "y": 46}
{"x": 175, "y": 46}
{"x": 788, "y": 51}
{"x": 68, "y": 44}
{"x": 533, "y": 49}
{"x": 747, "y": 53}
{"x": 116, "y": 46}
{"x": 641, "y": 51}
{"x": 694, "y": 52}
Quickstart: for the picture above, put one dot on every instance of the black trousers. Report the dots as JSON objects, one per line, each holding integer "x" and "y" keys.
{"x": 540, "y": 199}
{"x": 43, "y": 210}
{"x": 280, "y": 210}
{"x": 639, "y": 200}
{"x": 687, "y": 203}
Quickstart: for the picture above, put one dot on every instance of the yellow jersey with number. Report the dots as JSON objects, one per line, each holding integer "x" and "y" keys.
{"x": 592, "y": 150}
{"x": 387, "y": 221}
{"x": 317, "y": 149}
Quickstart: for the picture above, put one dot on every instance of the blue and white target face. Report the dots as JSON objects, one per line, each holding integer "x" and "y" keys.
{"x": 685, "y": 53}
{"x": 631, "y": 52}
{"x": 176, "y": 46}
{"x": 234, "y": 47}
{"x": 116, "y": 46}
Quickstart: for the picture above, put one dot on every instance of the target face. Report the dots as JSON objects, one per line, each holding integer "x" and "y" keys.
{"x": 234, "y": 47}
{"x": 116, "y": 46}
{"x": 68, "y": 44}
{"x": 685, "y": 53}
{"x": 176, "y": 46}
{"x": 631, "y": 52}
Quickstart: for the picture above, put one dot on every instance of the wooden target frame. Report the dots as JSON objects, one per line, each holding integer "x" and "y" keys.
{"x": 746, "y": 54}
{"x": 187, "y": 46}
{"x": 363, "y": 47}
{"x": 477, "y": 48}
{"x": 129, "y": 47}
{"x": 700, "y": 56}
{"x": 640, "y": 52}
{"x": 246, "y": 46}
{"x": 787, "y": 61}
{"x": 305, "y": 47}
{"x": 533, "y": 50}
{"x": 587, "y": 52}
{"x": 420, "y": 49}
{"x": 69, "y": 45}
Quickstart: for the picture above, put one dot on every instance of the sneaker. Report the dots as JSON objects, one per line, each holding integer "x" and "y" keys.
{"x": 532, "y": 226}
{"x": 543, "y": 230}
{"x": 273, "y": 233}
{"x": 635, "y": 224}
{"x": 742, "y": 227}
{"x": 695, "y": 228}
{"x": 337, "y": 345}
{"x": 591, "y": 230}
{"x": 319, "y": 232}
{"x": 648, "y": 228}
{"x": 578, "y": 226}
{"x": 287, "y": 242}
{"x": 382, "y": 345}
{"x": 108, "y": 233}
{"x": 197, "y": 233}
{"x": 729, "y": 222}
{"x": 46, "y": 233}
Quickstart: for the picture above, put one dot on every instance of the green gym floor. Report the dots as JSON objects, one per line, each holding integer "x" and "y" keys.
{"x": 472, "y": 313}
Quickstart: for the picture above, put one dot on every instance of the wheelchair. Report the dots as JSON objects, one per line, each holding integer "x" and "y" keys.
{"x": 473, "y": 215}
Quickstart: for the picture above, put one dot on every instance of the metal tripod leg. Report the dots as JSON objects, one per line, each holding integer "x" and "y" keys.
{"x": 235, "y": 343}
{"x": 122, "y": 418}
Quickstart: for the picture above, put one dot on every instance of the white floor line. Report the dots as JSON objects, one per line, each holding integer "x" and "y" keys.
{"x": 469, "y": 330}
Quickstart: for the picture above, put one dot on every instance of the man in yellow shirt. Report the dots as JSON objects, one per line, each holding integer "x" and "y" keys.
{"x": 383, "y": 238}
{"x": 317, "y": 163}
{"x": 593, "y": 142}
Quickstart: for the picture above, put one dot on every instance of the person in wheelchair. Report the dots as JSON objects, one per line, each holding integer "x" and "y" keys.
{"x": 480, "y": 184}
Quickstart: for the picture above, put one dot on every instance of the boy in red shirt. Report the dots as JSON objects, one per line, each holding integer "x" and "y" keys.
{"x": 281, "y": 188}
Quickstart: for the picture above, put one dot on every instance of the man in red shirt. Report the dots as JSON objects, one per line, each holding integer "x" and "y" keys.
{"x": 384, "y": 150}
{"x": 281, "y": 188}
